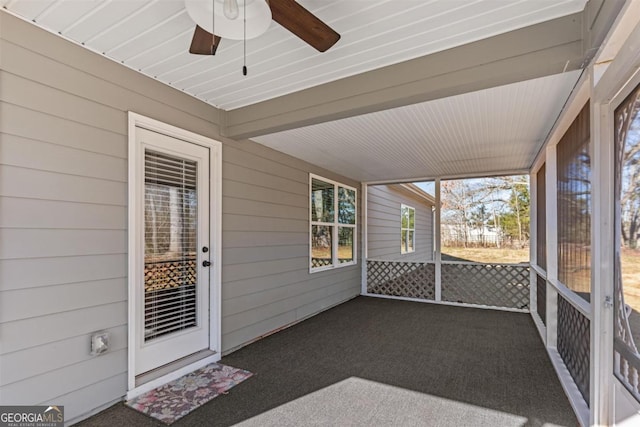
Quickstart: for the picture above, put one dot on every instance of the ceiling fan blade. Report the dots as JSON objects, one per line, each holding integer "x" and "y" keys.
{"x": 201, "y": 42}
{"x": 303, "y": 24}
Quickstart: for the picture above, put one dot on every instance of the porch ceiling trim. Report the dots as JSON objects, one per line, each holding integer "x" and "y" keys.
{"x": 539, "y": 50}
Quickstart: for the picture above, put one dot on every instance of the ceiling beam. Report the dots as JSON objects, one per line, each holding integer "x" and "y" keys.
{"x": 563, "y": 44}
{"x": 539, "y": 50}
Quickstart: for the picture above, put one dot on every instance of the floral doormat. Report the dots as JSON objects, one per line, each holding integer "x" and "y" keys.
{"x": 176, "y": 399}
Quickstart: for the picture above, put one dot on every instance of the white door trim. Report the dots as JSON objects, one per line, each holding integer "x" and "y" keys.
{"x": 215, "y": 239}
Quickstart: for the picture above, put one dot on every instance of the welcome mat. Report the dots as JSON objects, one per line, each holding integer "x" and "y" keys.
{"x": 176, "y": 399}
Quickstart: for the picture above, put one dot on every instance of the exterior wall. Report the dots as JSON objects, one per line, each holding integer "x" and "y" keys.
{"x": 383, "y": 222}
{"x": 63, "y": 219}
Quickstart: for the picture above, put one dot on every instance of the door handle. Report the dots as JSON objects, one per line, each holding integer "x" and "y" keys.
{"x": 206, "y": 263}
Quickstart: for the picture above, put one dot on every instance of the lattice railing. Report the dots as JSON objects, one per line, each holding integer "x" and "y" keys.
{"x": 541, "y": 297}
{"x": 169, "y": 274}
{"x": 324, "y": 262}
{"x": 495, "y": 285}
{"x": 574, "y": 343}
{"x": 403, "y": 279}
{"x": 626, "y": 356}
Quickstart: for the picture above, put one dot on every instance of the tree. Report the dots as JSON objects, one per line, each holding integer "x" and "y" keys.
{"x": 515, "y": 221}
{"x": 486, "y": 210}
{"x": 630, "y": 188}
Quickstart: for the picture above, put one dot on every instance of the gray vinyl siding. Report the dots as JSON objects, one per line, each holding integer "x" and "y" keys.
{"x": 63, "y": 222}
{"x": 383, "y": 223}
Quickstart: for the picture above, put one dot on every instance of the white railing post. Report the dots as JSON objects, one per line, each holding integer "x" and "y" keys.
{"x": 365, "y": 246}
{"x": 552, "y": 245}
{"x": 533, "y": 242}
{"x": 438, "y": 243}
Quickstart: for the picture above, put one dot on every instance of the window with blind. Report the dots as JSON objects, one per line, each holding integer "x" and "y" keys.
{"x": 541, "y": 218}
{"x": 574, "y": 206}
{"x": 170, "y": 238}
{"x": 333, "y": 224}
{"x": 407, "y": 229}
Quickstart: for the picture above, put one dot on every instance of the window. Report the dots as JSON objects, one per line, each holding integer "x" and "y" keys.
{"x": 333, "y": 224}
{"x": 408, "y": 229}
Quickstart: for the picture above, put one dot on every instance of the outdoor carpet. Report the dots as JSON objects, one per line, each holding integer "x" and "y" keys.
{"x": 176, "y": 399}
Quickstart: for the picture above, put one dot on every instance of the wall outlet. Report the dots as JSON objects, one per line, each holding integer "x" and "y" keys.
{"x": 99, "y": 343}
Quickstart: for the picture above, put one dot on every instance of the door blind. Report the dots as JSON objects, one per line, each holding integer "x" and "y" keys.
{"x": 170, "y": 237}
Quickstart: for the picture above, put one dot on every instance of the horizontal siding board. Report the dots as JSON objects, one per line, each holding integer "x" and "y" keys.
{"x": 242, "y": 320}
{"x": 245, "y": 335}
{"x": 256, "y": 162}
{"x": 65, "y": 380}
{"x": 252, "y": 285}
{"x": 27, "y": 333}
{"x": 261, "y": 179}
{"x": 92, "y": 398}
{"x": 251, "y": 301}
{"x": 38, "y": 360}
{"x": 317, "y": 296}
{"x": 237, "y": 256}
{"x": 35, "y": 184}
{"x": 32, "y": 154}
{"x": 52, "y": 73}
{"x": 384, "y": 225}
{"x": 17, "y": 120}
{"x": 232, "y": 205}
{"x": 265, "y": 268}
{"x": 250, "y": 239}
{"x": 327, "y": 302}
{"x": 41, "y": 243}
{"x": 44, "y": 44}
{"x": 28, "y": 303}
{"x": 235, "y": 222}
{"x": 60, "y": 104}
{"x": 33, "y": 213}
{"x": 262, "y": 194}
{"x": 374, "y": 223}
{"x": 29, "y": 273}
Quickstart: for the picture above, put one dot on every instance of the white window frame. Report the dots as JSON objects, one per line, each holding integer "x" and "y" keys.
{"x": 335, "y": 224}
{"x": 403, "y": 229}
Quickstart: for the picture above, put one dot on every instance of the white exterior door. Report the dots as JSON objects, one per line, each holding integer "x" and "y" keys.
{"x": 626, "y": 317}
{"x": 173, "y": 250}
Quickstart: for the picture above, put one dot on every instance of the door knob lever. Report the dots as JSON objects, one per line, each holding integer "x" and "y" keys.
{"x": 206, "y": 263}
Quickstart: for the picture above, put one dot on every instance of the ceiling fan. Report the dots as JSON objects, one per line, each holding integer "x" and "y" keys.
{"x": 288, "y": 13}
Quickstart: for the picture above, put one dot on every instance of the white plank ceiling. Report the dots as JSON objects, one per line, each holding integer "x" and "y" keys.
{"x": 153, "y": 36}
{"x": 493, "y": 130}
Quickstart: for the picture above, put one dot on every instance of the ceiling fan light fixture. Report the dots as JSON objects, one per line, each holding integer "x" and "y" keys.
{"x": 231, "y": 9}
{"x": 258, "y": 14}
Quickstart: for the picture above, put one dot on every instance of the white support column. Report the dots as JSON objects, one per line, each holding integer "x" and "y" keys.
{"x": 602, "y": 268}
{"x": 438, "y": 243}
{"x": 552, "y": 245}
{"x": 533, "y": 242}
{"x": 365, "y": 233}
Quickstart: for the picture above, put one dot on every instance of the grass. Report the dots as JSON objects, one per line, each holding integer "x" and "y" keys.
{"x": 344, "y": 252}
{"x": 497, "y": 255}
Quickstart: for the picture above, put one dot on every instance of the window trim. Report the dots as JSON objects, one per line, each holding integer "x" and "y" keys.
{"x": 403, "y": 229}
{"x": 335, "y": 224}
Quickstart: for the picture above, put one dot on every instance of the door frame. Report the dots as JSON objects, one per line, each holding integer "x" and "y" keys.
{"x": 134, "y": 259}
{"x": 613, "y": 79}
